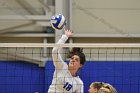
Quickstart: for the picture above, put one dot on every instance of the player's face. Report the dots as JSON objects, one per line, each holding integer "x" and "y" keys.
{"x": 75, "y": 62}
{"x": 92, "y": 89}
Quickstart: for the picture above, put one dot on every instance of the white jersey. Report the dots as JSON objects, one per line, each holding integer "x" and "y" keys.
{"x": 63, "y": 81}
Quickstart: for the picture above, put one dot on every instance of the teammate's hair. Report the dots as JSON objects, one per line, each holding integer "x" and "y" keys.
{"x": 97, "y": 85}
{"x": 79, "y": 52}
{"x": 110, "y": 87}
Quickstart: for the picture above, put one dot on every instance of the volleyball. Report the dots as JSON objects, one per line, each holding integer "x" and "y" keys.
{"x": 58, "y": 21}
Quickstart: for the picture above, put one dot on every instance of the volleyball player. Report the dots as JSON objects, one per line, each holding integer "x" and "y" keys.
{"x": 95, "y": 86}
{"x": 107, "y": 88}
{"x": 100, "y": 87}
{"x": 65, "y": 77}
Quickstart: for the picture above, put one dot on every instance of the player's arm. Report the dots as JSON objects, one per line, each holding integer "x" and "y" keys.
{"x": 57, "y": 59}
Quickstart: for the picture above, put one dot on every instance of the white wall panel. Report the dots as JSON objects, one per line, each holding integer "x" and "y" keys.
{"x": 106, "y": 16}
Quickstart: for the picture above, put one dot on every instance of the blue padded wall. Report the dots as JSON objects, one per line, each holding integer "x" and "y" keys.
{"x": 21, "y": 77}
{"x": 49, "y": 69}
{"x": 124, "y": 76}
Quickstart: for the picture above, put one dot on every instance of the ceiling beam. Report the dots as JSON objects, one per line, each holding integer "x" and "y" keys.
{"x": 28, "y": 7}
{"x": 26, "y": 17}
{"x": 27, "y": 35}
{"x": 38, "y": 20}
{"x": 45, "y": 6}
{"x": 43, "y": 24}
{"x": 5, "y": 30}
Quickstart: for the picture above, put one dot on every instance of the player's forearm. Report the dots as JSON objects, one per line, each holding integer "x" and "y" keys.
{"x": 62, "y": 40}
{"x": 55, "y": 52}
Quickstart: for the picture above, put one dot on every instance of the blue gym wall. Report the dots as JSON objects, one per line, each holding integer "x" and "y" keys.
{"x": 23, "y": 77}
{"x": 124, "y": 76}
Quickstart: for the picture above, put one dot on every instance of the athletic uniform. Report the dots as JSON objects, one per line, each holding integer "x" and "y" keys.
{"x": 63, "y": 81}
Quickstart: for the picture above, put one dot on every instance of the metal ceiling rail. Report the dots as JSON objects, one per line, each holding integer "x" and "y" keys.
{"x": 75, "y": 35}
{"x": 86, "y": 35}
{"x": 26, "y": 17}
{"x": 27, "y": 35}
{"x": 91, "y": 45}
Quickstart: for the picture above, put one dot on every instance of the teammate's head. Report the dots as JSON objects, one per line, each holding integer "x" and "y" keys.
{"x": 107, "y": 88}
{"x": 95, "y": 86}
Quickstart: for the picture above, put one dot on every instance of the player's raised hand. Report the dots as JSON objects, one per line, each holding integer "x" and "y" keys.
{"x": 68, "y": 32}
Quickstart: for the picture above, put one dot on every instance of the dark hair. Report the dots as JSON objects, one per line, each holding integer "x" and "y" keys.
{"x": 79, "y": 52}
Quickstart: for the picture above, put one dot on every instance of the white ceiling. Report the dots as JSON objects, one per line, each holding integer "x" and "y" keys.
{"x": 23, "y": 9}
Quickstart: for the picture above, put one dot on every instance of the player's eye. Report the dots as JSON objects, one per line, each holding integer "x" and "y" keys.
{"x": 72, "y": 57}
{"x": 77, "y": 59}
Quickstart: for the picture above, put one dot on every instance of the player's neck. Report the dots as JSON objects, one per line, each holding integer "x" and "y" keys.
{"x": 73, "y": 72}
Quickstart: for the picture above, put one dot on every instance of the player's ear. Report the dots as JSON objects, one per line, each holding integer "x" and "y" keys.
{"x": 95, "y": 90}
{"x": 81, "y": 65}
